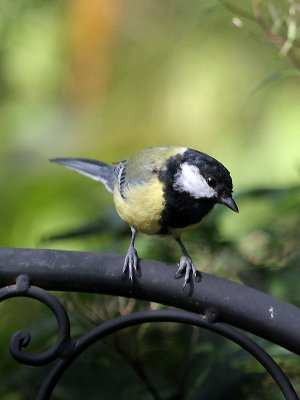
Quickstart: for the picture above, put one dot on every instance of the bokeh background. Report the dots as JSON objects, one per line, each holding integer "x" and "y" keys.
{"x": 103, "y": 79}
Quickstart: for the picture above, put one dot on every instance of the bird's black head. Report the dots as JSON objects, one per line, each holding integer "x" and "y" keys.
{"x": 200, "y": 177}
{"x": 193, "y": 183}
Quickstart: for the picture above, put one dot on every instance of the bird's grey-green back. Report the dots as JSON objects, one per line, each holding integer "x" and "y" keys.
{"x": 140, "y": 168}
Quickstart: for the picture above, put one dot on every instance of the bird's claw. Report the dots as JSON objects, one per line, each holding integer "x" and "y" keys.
{"x": 186, "y": 264}
{"x": 131, "y": 263}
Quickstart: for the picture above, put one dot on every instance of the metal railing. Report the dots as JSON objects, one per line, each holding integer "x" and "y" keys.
{"x": 212, "y": 303}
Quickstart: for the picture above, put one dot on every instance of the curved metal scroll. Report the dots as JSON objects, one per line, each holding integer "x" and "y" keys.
{"x": 66, "y": 350}
{"x": 21, "y": 339}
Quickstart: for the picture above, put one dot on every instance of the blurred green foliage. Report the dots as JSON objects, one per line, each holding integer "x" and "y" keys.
{"x": 104, "y": 79}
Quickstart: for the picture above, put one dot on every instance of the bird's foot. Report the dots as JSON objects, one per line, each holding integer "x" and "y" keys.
{"x": 131, "y": 263}
{"x": 186, "y": 264}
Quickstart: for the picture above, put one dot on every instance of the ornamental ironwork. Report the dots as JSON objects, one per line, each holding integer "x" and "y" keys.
{"x": 212, "y": 303}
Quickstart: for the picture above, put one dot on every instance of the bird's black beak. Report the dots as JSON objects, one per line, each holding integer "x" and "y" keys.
{"x": 229, "y": 202}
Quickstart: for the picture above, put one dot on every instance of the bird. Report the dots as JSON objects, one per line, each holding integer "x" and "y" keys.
{"x": 161, "y": 190}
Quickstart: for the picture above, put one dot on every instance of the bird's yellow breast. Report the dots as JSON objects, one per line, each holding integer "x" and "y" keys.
{"x": 142, "y": 206}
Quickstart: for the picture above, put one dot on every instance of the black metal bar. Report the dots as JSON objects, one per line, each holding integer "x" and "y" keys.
{"x": 235, "y": 304}
{"x": 185, "y": 317}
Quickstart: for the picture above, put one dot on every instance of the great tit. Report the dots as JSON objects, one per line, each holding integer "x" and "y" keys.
{"x": 163, "y": 190}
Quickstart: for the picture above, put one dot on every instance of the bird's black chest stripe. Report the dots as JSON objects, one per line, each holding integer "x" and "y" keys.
{"x": 181, "y": 210}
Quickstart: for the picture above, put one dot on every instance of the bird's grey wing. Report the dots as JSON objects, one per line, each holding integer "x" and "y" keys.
{"x": 137, "y": 170}
{"x": 94, "y": 169}
{"x": 128, "y": 174}
{"x": 120, "y": 177}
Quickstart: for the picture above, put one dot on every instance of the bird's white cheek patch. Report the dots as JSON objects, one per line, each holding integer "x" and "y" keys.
{"x": 188, "y": 179}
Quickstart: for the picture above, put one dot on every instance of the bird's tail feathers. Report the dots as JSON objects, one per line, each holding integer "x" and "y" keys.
{"x": 94, "y": 169}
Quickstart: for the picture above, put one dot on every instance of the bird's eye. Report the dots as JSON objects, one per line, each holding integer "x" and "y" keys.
{"x": 211, "y": 182}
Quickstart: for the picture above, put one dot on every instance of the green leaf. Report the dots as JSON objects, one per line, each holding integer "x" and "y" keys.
{"x": 274, "y": 76}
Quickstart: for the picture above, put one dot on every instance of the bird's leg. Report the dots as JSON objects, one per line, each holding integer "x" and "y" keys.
{"x": 131, "y": 259}
{"x": 185, "y": 263}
